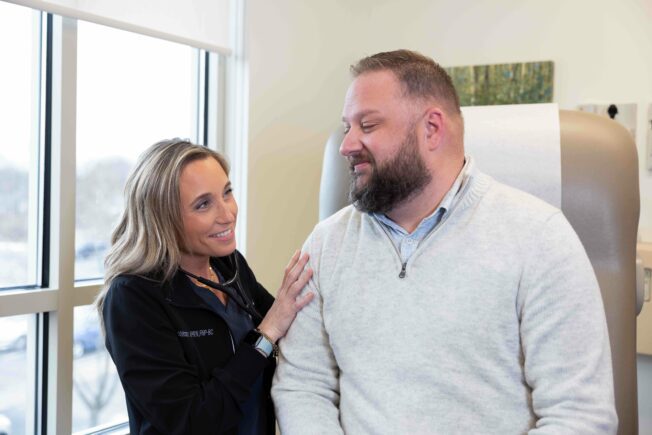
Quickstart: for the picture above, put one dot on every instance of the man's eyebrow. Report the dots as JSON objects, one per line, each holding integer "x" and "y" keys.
{"x": 361, "y": 114}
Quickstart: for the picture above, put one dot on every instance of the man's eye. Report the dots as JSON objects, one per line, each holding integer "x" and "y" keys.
{"x": 347, "y": 128}
{"x": 367, "y": 127}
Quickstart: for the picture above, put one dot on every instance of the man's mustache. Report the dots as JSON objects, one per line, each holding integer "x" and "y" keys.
{"x": 356, "y": 160}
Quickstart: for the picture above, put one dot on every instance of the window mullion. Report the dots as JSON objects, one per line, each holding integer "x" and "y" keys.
{"x": 235, "y": 131}
{"x": 62, "y": 223}
{"x": 197, "y": 85}
{"x": 85, "y": 292}
{"x": 215, "y": 100}
{"x": 33, "y": 218}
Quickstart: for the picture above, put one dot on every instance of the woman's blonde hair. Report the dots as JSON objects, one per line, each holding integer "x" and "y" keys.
{"x": 148, "y": 237}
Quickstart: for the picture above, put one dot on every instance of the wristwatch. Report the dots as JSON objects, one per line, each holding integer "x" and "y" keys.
{"x": 261, "y": 343}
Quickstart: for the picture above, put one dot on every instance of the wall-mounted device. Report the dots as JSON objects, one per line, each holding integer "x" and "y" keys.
{"x": 624, "y": 113}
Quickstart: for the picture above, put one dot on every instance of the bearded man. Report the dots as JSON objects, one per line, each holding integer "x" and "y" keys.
{"x": 445, "y": 302}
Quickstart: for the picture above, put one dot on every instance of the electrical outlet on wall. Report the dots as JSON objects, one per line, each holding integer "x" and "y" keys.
{"x": 624, "y": 113}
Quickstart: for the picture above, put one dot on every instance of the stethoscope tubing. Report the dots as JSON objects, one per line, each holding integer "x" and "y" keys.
{"x": 242, "y": 299}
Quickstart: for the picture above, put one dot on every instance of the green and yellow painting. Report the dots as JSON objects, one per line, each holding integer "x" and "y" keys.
{"x": 508, "y": 83}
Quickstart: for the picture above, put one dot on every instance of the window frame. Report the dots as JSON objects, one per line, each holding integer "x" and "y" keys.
{"x": 218, "y": 121}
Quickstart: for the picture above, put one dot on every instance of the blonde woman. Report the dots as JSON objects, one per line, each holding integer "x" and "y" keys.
{"x": 192, "y": 333}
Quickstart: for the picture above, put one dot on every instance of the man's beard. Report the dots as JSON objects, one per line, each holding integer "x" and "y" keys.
{"x": 396, "y": 181}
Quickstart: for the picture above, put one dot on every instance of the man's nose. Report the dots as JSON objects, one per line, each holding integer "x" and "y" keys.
{"x": 350, "y": 143}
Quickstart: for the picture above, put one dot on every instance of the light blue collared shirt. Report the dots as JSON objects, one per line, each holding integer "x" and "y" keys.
{"x": 406, "y": 243}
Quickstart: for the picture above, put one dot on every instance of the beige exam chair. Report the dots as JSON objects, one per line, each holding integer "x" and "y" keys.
{"x": 600, "y": 198}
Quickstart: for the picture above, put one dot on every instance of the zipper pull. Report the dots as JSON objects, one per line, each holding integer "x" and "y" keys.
{"x": 402, "y": 274}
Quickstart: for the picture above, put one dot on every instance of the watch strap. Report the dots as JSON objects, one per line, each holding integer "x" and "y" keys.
{"x": 268, "y": 341}
{"x": 262, "y": 343}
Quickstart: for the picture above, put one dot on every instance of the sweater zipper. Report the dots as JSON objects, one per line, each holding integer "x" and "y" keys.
{"x": 403, "y": 273}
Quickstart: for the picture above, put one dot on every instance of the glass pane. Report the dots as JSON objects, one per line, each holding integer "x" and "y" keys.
{"x": 19, "y": 84}
{"x": 14, "y": 385}
{"x": 132, "y": 92}
{"x": 97, "y": 397}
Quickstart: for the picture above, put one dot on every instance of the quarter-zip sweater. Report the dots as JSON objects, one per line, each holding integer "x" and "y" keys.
{"x": 175, "y": 356}
{"x": 497, "y": 327}
{"x": 406, "y": 243}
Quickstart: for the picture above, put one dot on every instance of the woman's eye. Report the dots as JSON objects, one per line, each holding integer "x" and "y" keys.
{"x": 228, "y": 191}
{"x": 201, "y": 205}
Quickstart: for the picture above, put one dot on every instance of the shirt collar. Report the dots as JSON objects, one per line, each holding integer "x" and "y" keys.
{"x": 450, "y": 198}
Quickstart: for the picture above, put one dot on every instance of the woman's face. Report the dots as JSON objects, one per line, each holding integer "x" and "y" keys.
{"x": 208, "y": 211}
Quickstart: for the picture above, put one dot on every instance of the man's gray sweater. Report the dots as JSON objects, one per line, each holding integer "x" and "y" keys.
{"x": 497, "y": 327}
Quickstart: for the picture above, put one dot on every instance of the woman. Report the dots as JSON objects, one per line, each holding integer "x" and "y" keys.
{"x": 191, "y": 331}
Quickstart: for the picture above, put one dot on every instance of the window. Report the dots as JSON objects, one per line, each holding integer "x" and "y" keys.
{"x": 132, "y": 91}
{"x": 19, "y": 86}
{"x": 15, "y": 386}
{"x": 82, "y": 94}
{"x": 98, "y": 398}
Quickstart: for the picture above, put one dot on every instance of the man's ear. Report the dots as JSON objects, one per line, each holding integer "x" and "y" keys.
{"x": 435, "y": 120}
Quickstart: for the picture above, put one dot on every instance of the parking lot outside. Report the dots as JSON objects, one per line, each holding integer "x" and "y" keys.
{"x": 98, "y": 397}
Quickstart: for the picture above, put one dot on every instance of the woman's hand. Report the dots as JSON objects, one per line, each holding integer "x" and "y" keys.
{"x": 286, "y": 306}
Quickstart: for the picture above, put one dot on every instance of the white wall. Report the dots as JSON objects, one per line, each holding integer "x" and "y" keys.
{"x": 299, "y": 54}
{"x": 298, "y": 74}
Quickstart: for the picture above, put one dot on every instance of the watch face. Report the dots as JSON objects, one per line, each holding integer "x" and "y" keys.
{"x": 252, "y": 337}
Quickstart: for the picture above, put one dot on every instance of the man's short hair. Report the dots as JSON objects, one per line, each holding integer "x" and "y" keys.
{"x": 421, "y": 77}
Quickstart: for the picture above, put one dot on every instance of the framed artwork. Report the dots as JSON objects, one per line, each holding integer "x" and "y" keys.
{"x": 508, "y": 83}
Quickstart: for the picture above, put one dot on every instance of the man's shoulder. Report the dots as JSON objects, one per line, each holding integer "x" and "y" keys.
{"x": 331, "y": 234}
{"x": 344, "y": 218}
{"x": 511, "y": 200}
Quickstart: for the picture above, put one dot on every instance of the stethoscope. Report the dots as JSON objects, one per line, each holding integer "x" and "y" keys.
{"x": 240, "y": 297}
